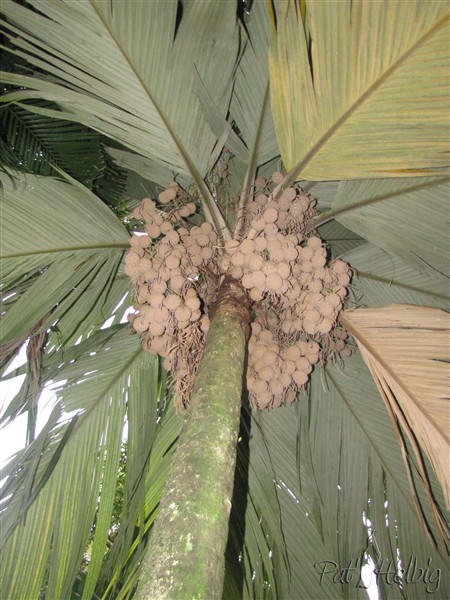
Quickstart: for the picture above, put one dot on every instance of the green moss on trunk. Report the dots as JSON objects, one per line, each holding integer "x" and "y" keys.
{"x": 186, "y": 555}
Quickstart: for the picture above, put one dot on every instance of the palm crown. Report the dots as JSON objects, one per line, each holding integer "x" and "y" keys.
{"x": 117, "y": 99}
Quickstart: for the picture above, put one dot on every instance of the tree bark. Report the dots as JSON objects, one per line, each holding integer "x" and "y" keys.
{"x": 186, "y": 554}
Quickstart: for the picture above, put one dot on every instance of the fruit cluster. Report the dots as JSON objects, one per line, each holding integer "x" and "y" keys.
{"x": 276, "y": 371}
{"x": 170, "y": 267}
{"x": 280, "y": 262}
{"x": 283, "y": 265}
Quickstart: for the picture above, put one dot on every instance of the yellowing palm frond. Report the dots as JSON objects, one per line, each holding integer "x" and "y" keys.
{"x": 359, "y": 91}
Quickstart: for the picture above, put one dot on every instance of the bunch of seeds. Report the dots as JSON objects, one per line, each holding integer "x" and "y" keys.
{"x": 296, "y": 294}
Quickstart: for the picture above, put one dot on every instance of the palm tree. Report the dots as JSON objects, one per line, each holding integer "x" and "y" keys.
{"x": 115, "y": 99}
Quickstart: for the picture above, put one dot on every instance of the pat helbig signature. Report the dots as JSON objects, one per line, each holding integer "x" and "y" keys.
{"x": 386, "y": 571}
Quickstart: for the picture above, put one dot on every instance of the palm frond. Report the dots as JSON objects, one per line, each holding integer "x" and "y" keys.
{"x": 69, "y": 250}
{"x": 154, "y": 109}
{"x": 361, "y": 452}
{"x": 408, "y": 217}
{"x": 249, "y": 109}
{"x": 221, "y": 128}
{"x": 323, "y": 191}
{"x": 147, "y": 168}
{"x": 121, "y": 572}
{"x": 39, "y": 143}
{"x": 406, "y": 350}
{"x": 250, "y": 106}
{"x": 338, "y": 238}
{"x": 382, "y": 278}
{"x": 111, "y": 184}
{"x": 264, "y": 551}
{"x": 302, "y": 534}
{"x": 110, "y": 379}
{"x": 138, "y": 188}
{"x": 341, "y": 74}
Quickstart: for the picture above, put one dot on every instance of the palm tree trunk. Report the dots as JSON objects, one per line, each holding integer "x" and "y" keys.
{"x": 186, "y": 555}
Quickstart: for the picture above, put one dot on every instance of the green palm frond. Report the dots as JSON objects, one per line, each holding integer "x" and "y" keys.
{"x": 264, "y": 551}
{"x": 382, "y": 278}
{"x": 358, "y": 91}
{"x": 131, "y": 111}
{"x": 69, "y": 249}
{"x": 111, "y": 184}
{"x": 111, "y": 378}
{"x": 43, "y": 145}
{"x": 324, "y": 192}
{"x": 304, "y": 527}
{"x": 407, "y": 217}
{"x": 153, "y": 109}
{"x": 248, "y": 108}
{"x": 359, "y": 430}
{"x": 145, "y": 167}
{"x": 120, "y": 571}
{"x": 335, "y": 456}
{"x": 39, "y": 143}
{"x": 339, "y": 239}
